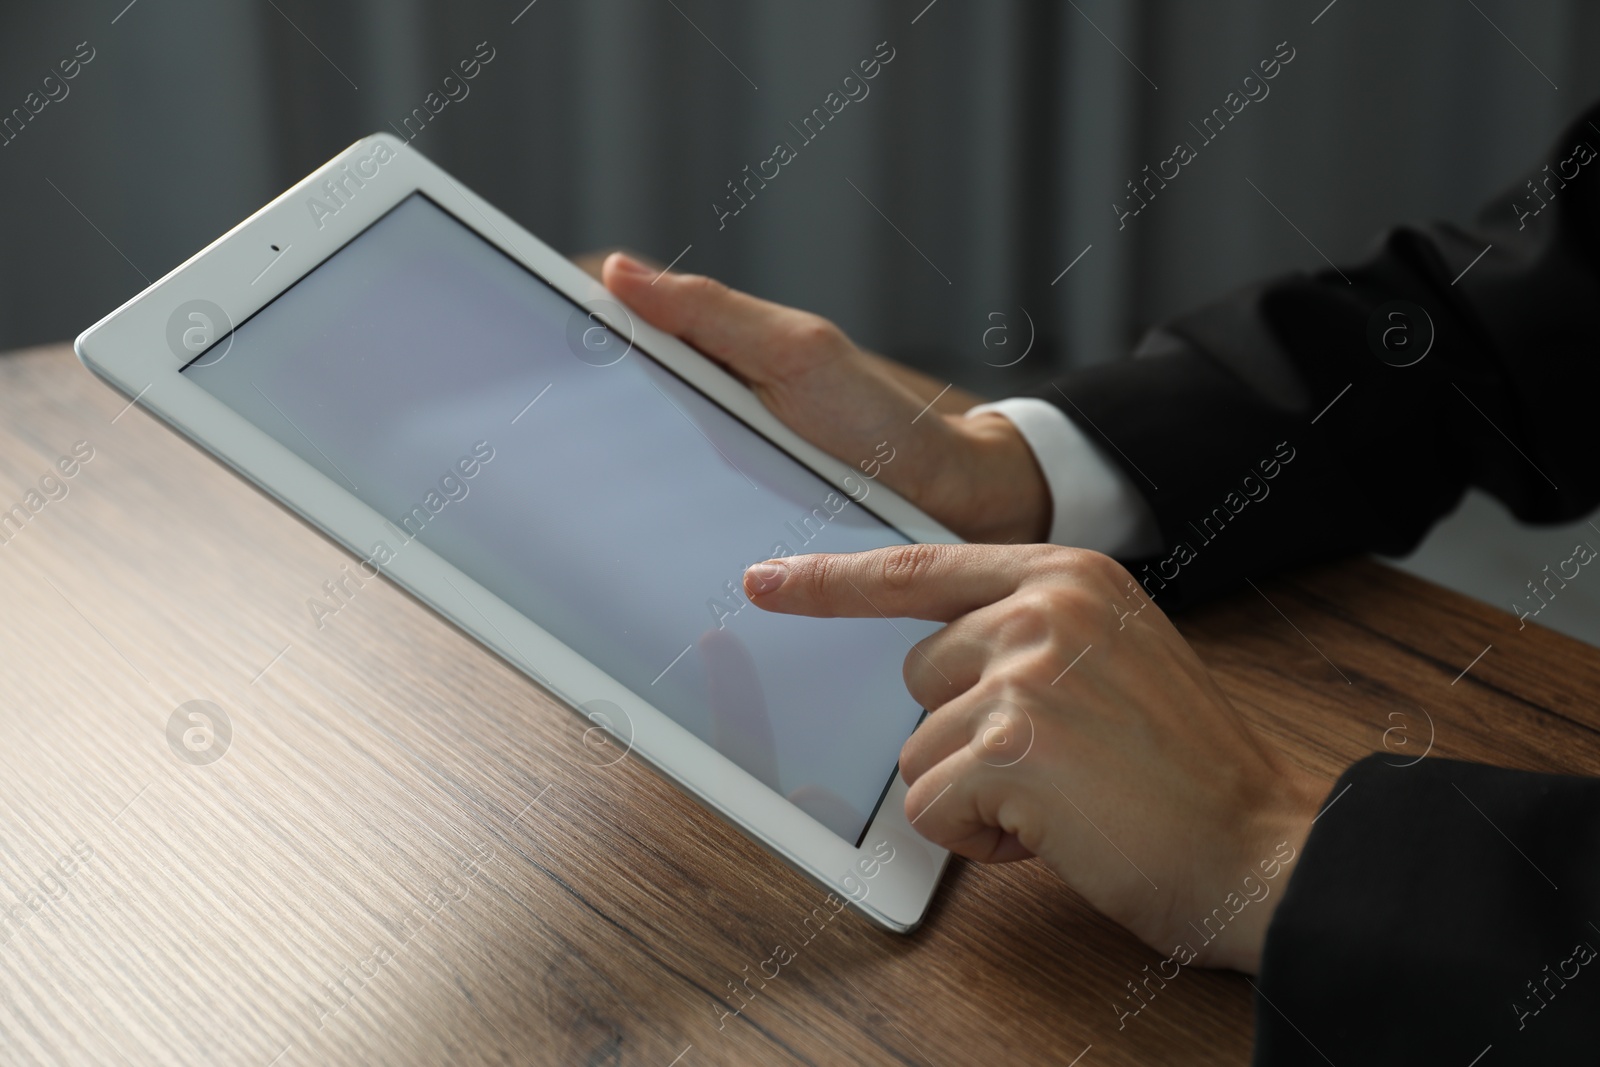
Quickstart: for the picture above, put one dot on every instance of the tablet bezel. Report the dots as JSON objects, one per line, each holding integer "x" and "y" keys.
{"x": 250, "y": 265}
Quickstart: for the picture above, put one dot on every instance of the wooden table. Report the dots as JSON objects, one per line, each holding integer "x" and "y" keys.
{"x": 408, "y": 854}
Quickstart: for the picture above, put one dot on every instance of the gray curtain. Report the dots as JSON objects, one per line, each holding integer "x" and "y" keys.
{"x": 985, "y": 159}
{"x": 945, "y": 204}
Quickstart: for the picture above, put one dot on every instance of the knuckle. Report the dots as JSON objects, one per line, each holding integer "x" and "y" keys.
{"x": 1040, "y": 668}
{"x": 1084, "y": 563}
{"x": 912, "y": 669}
{"x": 803, "y": 342}
{"x": 818, "y": 576}
{"x": 1077, "y": 601}
{"x": 1026, "y": 617}
{"x": 703, "y": 295}
{"x": 914, "y": 762}
{"x": 1103, "y": 566}
{"x": 833, "y": 583}
{"x": 813, "y": 333}
{"x": 907, "y": 565}
{"x": 925, "y": 687}
{"x": 703, "y": 285}
{"x": 1049, "y": 615}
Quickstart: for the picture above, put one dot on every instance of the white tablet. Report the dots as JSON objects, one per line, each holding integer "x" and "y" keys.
{"x": 473, "y": 416}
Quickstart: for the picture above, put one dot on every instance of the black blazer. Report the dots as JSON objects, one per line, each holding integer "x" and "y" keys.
{"x": 1442, "y": 911}
{"x": 1223, "y": 418}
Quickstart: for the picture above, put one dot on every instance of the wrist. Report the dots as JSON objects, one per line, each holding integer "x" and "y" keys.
{"x": 1006, "y": 499}
{"x": 1279, "y": 832}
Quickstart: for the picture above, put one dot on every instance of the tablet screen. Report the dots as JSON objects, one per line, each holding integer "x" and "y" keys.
{"x": 490, "y": 418}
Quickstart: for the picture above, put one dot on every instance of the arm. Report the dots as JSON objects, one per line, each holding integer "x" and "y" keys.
{"x": 1439, "y": 909}
{"x": 1223, "y": 420}
{"x": 1407, "y": 914}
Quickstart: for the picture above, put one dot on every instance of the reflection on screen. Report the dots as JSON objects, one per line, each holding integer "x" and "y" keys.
{"x": 613, "y": 505}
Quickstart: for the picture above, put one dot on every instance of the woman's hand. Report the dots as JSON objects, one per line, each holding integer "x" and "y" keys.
{"x": 1070, "y": 721}
{"x": 975, "y": 475}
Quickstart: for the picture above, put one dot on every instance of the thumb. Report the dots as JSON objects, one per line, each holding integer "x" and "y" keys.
{"x": 747, "y": 334}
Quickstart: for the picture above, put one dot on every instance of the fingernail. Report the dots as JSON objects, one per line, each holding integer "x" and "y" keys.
{"x": 764, "y": 577}
{"x": 628, "y": 265}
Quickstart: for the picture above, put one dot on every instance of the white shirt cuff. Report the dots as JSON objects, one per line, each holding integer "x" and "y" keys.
{"x": 1094, "y": 504}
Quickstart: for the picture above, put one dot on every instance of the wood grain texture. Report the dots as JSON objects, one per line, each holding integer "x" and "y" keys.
{"x": 409, "y": 855}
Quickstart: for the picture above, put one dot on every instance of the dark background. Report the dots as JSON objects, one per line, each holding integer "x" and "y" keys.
{"x": 994, "y": 143}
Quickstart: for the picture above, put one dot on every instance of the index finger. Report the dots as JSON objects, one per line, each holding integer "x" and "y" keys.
{"x": 935, "y": 582}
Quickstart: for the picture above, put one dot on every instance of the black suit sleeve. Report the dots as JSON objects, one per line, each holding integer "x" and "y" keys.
{"x": 1503, "y": 399}
{"x": 1438, "y": 910}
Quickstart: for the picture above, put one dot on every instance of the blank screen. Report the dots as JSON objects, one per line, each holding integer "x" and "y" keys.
{"x": 610, "y": 502}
